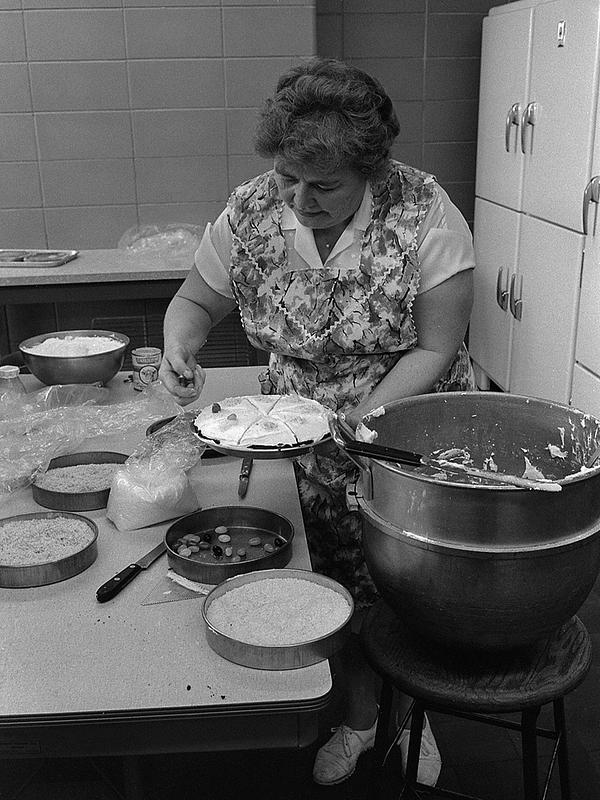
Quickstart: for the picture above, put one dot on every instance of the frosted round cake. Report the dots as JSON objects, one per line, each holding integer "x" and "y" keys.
{"x": 267, "y": 421}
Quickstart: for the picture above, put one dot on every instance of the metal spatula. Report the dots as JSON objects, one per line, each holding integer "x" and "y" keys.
{"x": 408, "y": 458}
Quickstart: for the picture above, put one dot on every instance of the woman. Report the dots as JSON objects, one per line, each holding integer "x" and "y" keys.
{"x": 354, "y": 272}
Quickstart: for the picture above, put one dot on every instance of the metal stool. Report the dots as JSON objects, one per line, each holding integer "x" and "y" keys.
{"x": 475, "y": 686}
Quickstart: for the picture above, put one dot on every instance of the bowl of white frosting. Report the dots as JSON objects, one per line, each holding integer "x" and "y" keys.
{"x": 83, "y": 356}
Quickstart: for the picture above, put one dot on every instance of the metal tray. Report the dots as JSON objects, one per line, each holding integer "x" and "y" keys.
{"x": 77, "y": 501}
{"x": 293, "y": 656}
{"x": 15, "y": 577}
{"x": 36, "y": 258}
{"x": 243, "y": 521}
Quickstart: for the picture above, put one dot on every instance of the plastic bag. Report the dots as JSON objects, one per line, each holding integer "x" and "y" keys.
{"x": 56, "y": 420}
{"x": 52, "y": 397}
{"x": 174, "y": 244}
{"x": 154, "y": 484}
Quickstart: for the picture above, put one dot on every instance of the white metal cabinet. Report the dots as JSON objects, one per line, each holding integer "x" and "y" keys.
{"x": 504, "y": 81}
{"x": 495, "y": 238}
{"x": 526, "y": 286}
{"x": 539, "y": 57}
{"x": 558, "y": 120}
{"x": 588, "y": 332}
{"x": 586, "y": 391}
{"x": 538, "y": 88}
{"x": 544, "y": 304}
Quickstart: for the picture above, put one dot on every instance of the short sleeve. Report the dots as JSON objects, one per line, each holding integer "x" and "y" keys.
{"x": 445, "y": 243}
{"x": 213, "y": 255}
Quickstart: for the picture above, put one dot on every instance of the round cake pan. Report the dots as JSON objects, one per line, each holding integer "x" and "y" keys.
{"x": 246, "y": 521}
{"x": 293, "y": 656}
{"x": 77, "y": 501}
{"x": 13, "y": 577}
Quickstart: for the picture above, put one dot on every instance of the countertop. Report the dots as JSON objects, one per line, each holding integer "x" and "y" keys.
{"x": 96, "y": 266}
{"x": 66, "y": 659}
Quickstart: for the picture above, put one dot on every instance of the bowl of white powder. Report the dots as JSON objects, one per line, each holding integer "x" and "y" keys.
{"x": 277, "y": 618}
{"x": 86, "y": 356}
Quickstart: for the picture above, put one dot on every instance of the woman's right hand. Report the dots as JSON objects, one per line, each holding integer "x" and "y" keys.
{"x": 181, "y": 375}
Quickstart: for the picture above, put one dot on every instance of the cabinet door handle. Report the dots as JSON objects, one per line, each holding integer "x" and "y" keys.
{"x": 590, "y": 195}
{"x": 516, "y": 303}
{"x": 501, "y": 293}
{"x": 528, "y": 118}
{"x": 512, "y": 118}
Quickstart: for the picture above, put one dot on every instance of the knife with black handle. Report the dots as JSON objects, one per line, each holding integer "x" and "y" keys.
{"x": 112, "y": 587}
{"x": 244, "y": 476}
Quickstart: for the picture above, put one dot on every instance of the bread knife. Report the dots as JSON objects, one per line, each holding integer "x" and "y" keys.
{"x": 112, "y": 587}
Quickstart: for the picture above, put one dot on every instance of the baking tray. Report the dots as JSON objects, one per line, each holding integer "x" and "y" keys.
{"x": 291, "y": 656}
{"x": 77, "y": 501}
{"x": 14, "y": 577}
{"x": 35, "y": 257}
{"x": 242, "y": 522}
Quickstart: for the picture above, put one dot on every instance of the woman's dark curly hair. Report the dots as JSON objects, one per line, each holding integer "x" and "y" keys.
{"x": 330, "y": 115}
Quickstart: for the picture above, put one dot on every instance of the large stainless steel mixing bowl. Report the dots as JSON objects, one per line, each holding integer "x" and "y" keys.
{"x": 474, "y": 565}
{"x": 95, "y": 368}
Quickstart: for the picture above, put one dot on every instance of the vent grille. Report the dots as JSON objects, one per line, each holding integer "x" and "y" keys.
{"x": 226, "y": 346}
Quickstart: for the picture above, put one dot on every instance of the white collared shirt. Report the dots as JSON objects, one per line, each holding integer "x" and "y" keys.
{"x": 445, "y": 244}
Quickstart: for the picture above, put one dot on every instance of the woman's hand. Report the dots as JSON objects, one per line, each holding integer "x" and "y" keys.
{"x": 181, "y": 375}
{"x": 191, "y": 314}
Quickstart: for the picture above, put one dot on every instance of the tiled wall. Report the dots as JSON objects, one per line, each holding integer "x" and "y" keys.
{"x": 426, "y": 53}
{"x": 120, "y": 112}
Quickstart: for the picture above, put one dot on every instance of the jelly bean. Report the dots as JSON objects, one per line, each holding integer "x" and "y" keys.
{"x": 184, "y": 551}
{"x": 236, "y": 559}
{"x": 191, "y": 537}
{"x": 220, "y": 529}
{"x": 268, "y": 547}
{"x": 241, "y": 552}
{"x": 255, "y": 541}
{"x": 204, "y": 545}
{"x": 193, "y": 548}
{"x": 229, "y": 551}
{"x": 224, "y": 538}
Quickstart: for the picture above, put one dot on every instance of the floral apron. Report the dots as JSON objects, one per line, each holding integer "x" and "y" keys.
{"x": 333, "y": 335}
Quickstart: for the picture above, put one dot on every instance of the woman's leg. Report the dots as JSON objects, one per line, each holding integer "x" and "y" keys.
{"x": 361, "y": 687}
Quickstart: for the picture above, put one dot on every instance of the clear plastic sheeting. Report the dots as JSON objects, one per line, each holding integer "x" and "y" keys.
{"x": 154, "y": 484}
{"x": 56, "y": 420}
{"x": 173, "y": 244}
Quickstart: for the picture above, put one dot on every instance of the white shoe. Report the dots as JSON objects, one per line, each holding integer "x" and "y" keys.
{"x": 336, "y": 759}
{"x": 430, "y": 760}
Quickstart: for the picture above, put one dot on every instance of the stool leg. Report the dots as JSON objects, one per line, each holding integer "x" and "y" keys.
{"x": 414, "y": 743}
{"x": 563, "y": 752}
{"x": 530, "y": 753}
{"x": 381, "y": 735}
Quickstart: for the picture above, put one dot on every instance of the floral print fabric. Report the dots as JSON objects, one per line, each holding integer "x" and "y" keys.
{"x": 333, "y": 336}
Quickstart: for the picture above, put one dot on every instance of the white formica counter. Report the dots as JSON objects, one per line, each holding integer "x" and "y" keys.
{"x": 78, "y": 677}
{"x": 95, "y": 266}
